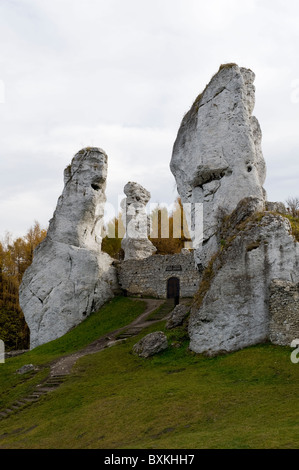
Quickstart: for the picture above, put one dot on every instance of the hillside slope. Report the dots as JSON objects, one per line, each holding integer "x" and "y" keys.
{"x": 115, "y": 400}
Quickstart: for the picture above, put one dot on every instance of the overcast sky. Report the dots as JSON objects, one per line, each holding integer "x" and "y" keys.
{"x": 120, "y": 75}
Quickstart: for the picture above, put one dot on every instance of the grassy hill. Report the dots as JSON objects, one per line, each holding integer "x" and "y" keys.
{"x": 175, "y": 400}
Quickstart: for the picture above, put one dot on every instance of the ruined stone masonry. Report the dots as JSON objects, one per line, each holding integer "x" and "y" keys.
{"x": 151, "y": 276}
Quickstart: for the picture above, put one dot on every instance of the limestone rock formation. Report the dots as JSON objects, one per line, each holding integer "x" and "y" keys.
{"x": 231, "y": 309}
{"x": 217, "y": 159}
{"x": 151, "y": 344}
{"x": 136, "y": 244}
{"x": 177, "y": 316}
{"x": 247, "y": 246}
{"x": 276, "y": 207}
{"x": 70, "y": 277}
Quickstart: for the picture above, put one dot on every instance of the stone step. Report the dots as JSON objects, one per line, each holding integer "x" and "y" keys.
{"x": 31, "y": 399}
{"x": 44, "y": 389}
{"x": 128, "y": 333}
{"x": 55, "y": 381}
{"x": 15, "y": 406}
{"x": 20, "y": 403}
{"x": 51, "y": 384}
{"x": 60, "y": 377}
{"x": 34, "y": 396}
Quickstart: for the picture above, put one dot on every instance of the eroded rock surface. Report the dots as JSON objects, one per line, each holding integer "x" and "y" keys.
{"x": 151, "y": 344}
{"x": 217, "y": 159}
{"x": 284, "y": 312}
{"x": 177, "y": 316}
{"x": 245, "y": 244}
{"x": 70, "y": 277}
{"x": 136, "y": 244}
{"x": 231, "y": 310}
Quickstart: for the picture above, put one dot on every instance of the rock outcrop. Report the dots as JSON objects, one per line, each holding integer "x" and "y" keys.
{"x": 231, "y": 309}
{"x": 151, "y": 344}
{"x": 217, "y": 159}
{"x": 284, "y": 312}
{"x": 218, "y": 165}
{"x": 177, "y": 316}
{"x": 135, "y": 243}
{"x": 70, "y": 277}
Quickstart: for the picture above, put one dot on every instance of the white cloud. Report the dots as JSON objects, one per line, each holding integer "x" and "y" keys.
{"x": 120, "y": 75}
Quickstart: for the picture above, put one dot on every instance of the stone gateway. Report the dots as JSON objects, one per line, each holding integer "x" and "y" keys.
{"x": 152, "y": 276}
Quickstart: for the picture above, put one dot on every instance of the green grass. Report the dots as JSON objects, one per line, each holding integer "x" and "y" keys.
{"x": 175, "y": 400}
{"x": 114, "y": 314}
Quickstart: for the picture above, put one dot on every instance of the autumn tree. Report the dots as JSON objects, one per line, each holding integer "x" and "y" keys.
{"x": 111, "y": 242}
{"x": 169, "y": 231}
{"x": 15, "y": 257}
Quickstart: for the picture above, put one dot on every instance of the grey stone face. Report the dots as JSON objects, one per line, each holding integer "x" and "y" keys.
{"x": 78, "y": 217}
{"x": 70, "y": 277}
{"x": 217, "y": 158}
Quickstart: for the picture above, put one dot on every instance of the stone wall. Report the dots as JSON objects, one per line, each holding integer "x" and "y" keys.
{"x": 149, "y": 276}
{"x": 284, "y": 312}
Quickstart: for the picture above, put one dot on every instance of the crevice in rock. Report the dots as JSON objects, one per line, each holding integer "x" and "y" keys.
{"x": 41, "y": 301}
{"x": 213, "y": 177}
{"x": 216, "y": 94}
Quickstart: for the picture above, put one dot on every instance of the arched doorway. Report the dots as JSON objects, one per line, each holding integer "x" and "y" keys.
{"x": 173, "y": 289}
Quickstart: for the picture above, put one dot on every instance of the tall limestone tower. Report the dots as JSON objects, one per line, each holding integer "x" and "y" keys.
{"x": 70, "y": 276}
{"x": 217, "y": 158}
{"x": 246, "y": 250}
{"x": 136, "y": 244}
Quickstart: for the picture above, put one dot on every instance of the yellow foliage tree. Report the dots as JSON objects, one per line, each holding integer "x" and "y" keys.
{"x": 169, "y": 231}
{"x": 15, "y": 257}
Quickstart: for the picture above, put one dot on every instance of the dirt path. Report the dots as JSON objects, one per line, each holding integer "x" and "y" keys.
{"x": 63, "y": 366}
{"x": 60, "y": 368}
